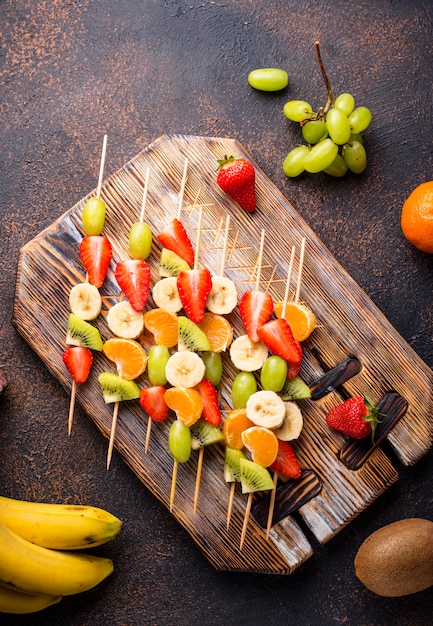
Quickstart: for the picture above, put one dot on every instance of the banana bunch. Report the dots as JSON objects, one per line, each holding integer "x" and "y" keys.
{"x": 38, "y": 565}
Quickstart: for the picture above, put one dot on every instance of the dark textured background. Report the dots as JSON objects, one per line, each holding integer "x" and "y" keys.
{"x": 136, "y": 69}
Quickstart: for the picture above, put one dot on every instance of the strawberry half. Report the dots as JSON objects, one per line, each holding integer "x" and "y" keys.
{"x": 255, "y": 308}
{"x": 286, "y": 462}
{"x": 277, "y": 335}
{"x": 356, "y": 417}
{"x": 133, "y": 278}
{"x": 78, "y": 360}
{"x": 237, "y": 178}
{"x": 152, "y": 401}
{"x": 194, "y": 287}
{"x": 175, "y": 238}
{"x": 95, "y": 253}
{"x": 211, "y": 410}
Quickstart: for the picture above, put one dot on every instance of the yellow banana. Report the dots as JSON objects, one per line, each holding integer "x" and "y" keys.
{"x": 59, "y": 526}
{"x": 19, "y": 602}
{"x": 40, "y": 570}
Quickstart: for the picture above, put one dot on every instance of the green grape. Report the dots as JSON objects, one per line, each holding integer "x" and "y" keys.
{"x": 345, "y": 102}
{"x": 244, "y": 385}
{"x": 338, "y": 126}
{"x": 140, "y": 240}
{"x": 338, "y": 167}
{"x": 356, "y": 137}
{"x": 355, "y": 157}
{"x": 314, "y": 131}
{"x": 274, "y": 373}
{"x": 320, "y": 156}
{"x": 294, "y": 162}
{"x": 156, "y": 362}
{"x": 213, "y": 367}
{"x": 359, "y": 119}
{"x": 297, "y": 110}
{"x": 268, "y": 79}
{"x": 93, "y": 217}
{"x": 179, "y": 441}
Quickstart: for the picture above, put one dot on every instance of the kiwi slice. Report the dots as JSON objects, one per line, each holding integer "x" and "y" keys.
{"x": 295, "y": 389}
{"x": 255, "y": 477}
{"x": 170, "y": 263}
{"x": 232, "y": 465}
{"x": 81, "y": 333}
{"x": 115, "y": 388}
{"x": 204, "y": 434}
{"x": 191, "y": 337}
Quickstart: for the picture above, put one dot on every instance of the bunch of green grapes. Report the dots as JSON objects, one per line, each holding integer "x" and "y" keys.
{"x": 333, "y": 137}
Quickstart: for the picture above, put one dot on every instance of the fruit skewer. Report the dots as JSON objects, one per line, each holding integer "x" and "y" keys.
{"x": 275, "y": 477}
{"x": 133, "y": 277}
{"x": 255, "y": 292}
{"x": 79, "y": 359}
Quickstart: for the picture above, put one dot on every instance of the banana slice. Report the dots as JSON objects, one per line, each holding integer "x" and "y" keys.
{"x": 184, "y": 369}
{"x": 223, "y": 296}
{"x": 265, "y": 408}
{"x": 292, "y": 424}
{"x": 85, "y": 301}
{"x": 246, "y": 355}
{"x": 166, "y": 296}
{"x": 124, "y": 321}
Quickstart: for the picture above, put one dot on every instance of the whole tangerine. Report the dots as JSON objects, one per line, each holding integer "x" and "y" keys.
{"x": 417, "y": 217}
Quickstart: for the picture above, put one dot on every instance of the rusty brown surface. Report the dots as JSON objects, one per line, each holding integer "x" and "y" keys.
{"x": 71, "y": 71}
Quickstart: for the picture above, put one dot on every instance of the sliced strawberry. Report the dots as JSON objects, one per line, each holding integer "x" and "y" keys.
{"x": 211, "y": 410}
{"x": 194, "y": 287}
{"x": 133, "y": 278}
{"x": 175, "y": 238}
{"x": 236, "y": 176}
{"x": 78, "y": 360}
{"x": 152, "y": 401}
{"x": 278, "y": 336}
{"x": 95, "y": 253}
{"x": 286, "y": 462}
{"x": 255, "y": 308}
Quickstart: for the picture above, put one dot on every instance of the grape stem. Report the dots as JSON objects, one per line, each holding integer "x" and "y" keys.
{"x": 330, "y": 100}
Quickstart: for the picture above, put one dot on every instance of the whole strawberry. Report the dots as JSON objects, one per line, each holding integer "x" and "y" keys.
{"x": 356, "y": 417}
{"x": 236, "y": 176}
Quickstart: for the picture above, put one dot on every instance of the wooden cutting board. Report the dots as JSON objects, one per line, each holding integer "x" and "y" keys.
{"x": 340, "y": 479}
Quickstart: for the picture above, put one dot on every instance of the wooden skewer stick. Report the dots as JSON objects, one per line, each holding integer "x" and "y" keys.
{"x": 301, "y": 265}
{"x": 98, "y": 193}
{"x": 112, "y": 433}
{"x": 230, "y": 504}
{"x": 173, "y": 483}
{"x": 274, "y": 491}
{"x": 182, "y": 189}
{"x": 198, "y": 476}
{"x": 246, "y": 519}
{"x": 197, "y": 242}
{"x": 101, "y": 166}
{"x": 143, "y": 201}
{"x": 148, "y": 433}
{"x": 224, "y": 252}
{"x": 259, "y": 260}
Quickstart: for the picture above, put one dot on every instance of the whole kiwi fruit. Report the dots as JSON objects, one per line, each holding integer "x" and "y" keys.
{"x": 397, "y": 560}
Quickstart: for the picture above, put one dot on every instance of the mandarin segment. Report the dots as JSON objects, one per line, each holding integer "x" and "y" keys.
{"x": 262, "y": 444}
{"x": 186, "y": 403}
{"x": 218, "y": 330}
{"x": 128, "y": 355}
{"x": 163, "y": 326}
{"x": 300, "y": 318}
{"x": 234, "y": 425}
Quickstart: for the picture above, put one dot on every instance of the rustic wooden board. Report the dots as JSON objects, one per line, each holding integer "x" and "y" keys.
{"x": 350, "y": 324}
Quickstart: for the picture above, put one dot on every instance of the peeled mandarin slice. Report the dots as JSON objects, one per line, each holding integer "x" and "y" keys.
{"x": 234, "y": 425}
{"x": 300, "y": 318}
{"x": 262, "y": 444}
{"x": 163, "y": 326}
{"x": 186, "y": 403}
{"x": 128, "y": 355}
{"x": 218, "y": 330}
